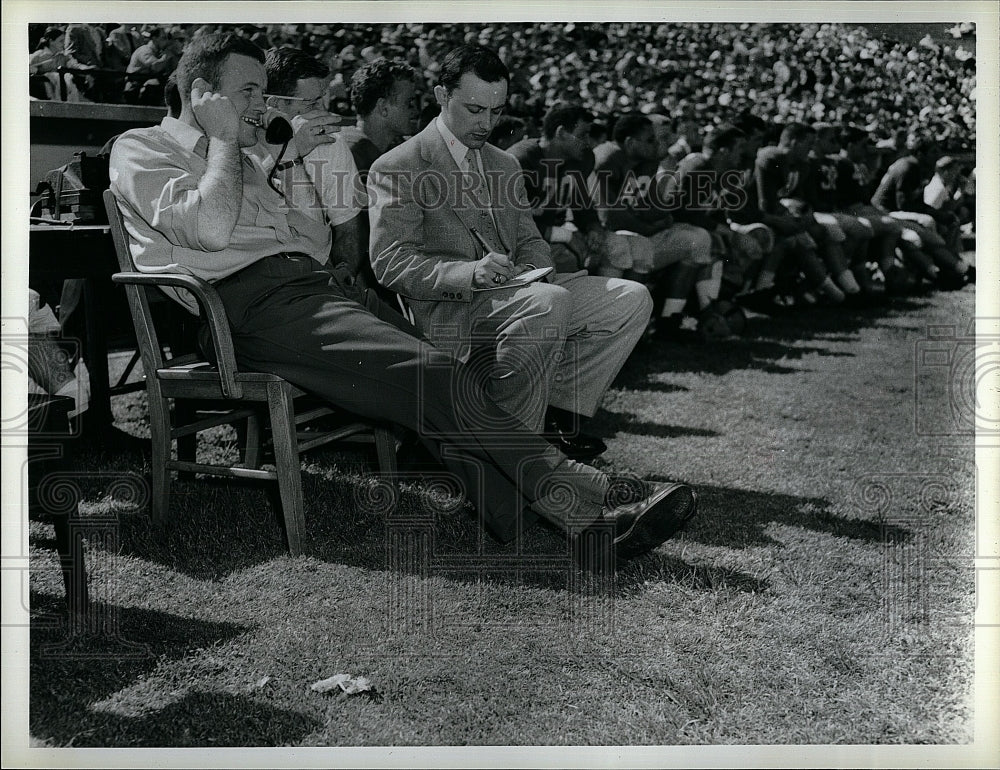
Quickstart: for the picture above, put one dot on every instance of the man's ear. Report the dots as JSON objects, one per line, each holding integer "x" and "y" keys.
{"x": 272, "y": 103}
{"x": 441, "y": 95}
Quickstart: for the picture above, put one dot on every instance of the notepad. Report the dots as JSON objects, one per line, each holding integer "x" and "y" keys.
{"x": 520, "y": 280}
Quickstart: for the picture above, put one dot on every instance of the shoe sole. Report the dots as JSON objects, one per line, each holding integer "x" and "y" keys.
{"x": 673, "y": 506}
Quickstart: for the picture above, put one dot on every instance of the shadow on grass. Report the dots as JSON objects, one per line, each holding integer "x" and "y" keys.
{"x": 217, "y": 529}
{"x": 70, "y": 674}
{"x": 738, "y": 518}
{"x": 764, "y": 343}
{"x": 202, "y": 720}
{"x": 710, "y": 358}
{"x": 609, "y": 424}
{"x": 821, "y": 323}
{"x": 658, "y": 567}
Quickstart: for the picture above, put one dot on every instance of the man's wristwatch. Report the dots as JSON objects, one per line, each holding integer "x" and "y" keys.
{"x": 288, "y": 164}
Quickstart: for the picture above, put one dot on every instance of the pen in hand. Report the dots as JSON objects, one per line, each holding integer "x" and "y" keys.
{"x": 497, "y": 262}
{"x": 482, "y": 241}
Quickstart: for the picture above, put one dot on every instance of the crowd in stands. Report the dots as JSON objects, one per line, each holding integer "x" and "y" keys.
{"x": 703, "y": 71}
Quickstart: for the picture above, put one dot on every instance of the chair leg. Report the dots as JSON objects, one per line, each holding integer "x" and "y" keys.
{"x": 251, "y": 442}
{"x": 70, "y": 546}
{"x": 385, "y": 448}
{"x": 286, "y": 461}
{"x": 159, "y": 428}
{"x": 187, "y": 446}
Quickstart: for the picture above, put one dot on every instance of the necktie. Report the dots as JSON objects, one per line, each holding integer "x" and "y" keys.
{"x": 481, "y": 200}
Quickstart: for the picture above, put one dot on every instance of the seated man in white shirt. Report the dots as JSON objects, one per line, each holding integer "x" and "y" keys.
{"x": 942, "y": 196}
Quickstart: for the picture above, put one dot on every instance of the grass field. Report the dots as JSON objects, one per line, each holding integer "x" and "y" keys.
{"x": 824, "y": 594}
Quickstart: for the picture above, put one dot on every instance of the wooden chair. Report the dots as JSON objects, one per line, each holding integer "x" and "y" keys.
{"x": 233, "y": 395}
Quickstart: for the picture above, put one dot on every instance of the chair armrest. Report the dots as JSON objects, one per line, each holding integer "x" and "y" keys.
{"x": 213, "y": 312}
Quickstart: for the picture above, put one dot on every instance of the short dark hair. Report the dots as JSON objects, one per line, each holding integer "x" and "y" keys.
{"x": 172, "y": 96}
{"x": 506, "y": 126}
{"x": 749, "y": 123}
{"x": 629, "y": 125}
{"x": 476, "y": 59}
{"x": 50, "y": 34}
{"x": 725, "y": 137}
{"x": 565, "y": 115}
{"x": 286, "y": 66}
{"x": 375, "y": 80}
{"x": 852, "y": 134}
{"x": 204, "y": 56}
{"x": 795, "y": 132}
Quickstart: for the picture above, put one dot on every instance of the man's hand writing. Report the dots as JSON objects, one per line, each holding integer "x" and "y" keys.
{"x": 492, "y": 270}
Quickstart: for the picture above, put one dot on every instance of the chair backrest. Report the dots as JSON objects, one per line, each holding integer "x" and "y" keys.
{"x": 140, "y": 287}
{"x": 150, "y": 348}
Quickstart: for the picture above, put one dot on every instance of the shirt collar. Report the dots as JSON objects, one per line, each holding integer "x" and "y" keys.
{"x": 187, "y": 136}
{"x": 455, "y": 147}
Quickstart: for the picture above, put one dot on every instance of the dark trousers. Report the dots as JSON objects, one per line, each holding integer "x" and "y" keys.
{"x": 291, "y": 317}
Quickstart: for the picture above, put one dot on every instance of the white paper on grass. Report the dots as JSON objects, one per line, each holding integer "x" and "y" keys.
{"x": 347, "y": 683}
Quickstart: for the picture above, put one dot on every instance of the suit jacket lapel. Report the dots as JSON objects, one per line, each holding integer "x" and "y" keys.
{"x": 502, "y": 208}
{"x": 436, "y": 154}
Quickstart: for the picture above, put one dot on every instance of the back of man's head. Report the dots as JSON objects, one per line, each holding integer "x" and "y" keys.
{"x": 475, "y": 59}
{"x": 918, "y": 143}
{"x": 793, "y": 133}
{"x": 749, "y": 123}
{"x": 375, "y": 80}
{"x": 630, "y": 125}
{"x": 286, "y": 66}
{"x": 204, "y": 56}
{"x": 567, "y": 116}
{"x": 172, "y": 96}
{"x": 724, "y": 138}
{"x": 852, "y": 135}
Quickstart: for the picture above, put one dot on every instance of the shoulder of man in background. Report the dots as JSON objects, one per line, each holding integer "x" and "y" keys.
{"x": 363, "y": 149}
{"x": 609, "y": 155}
{"x": 528, "y": 152}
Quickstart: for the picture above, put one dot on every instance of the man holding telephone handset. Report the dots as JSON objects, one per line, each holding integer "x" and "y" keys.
{"x": 452, "y": 232}
{"x": 194, "y": 201}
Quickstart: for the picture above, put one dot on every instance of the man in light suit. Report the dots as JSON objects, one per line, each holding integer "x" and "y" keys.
{"x": 451, "y": 226}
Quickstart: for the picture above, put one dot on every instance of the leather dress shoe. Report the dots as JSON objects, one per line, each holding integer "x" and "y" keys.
{"x": 637, "y": 517}
{"x": 576, "y": 446}
{"x": 643, "y": 525}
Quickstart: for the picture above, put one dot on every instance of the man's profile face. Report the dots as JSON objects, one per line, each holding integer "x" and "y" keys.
{"x": 799, "y": 150}
{"x": 310, "y": 95}
{"x": 643, "y": 145}
{"x": 402, "y": 106}
{"x": 726, "y": 157}
{"x": 242, "y": 80}
{"x": 577, "y": 141}
{"x": 665, "y": 138}
{"x": 472, "y": 109}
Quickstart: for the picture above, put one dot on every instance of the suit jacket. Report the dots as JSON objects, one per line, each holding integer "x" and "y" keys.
{"x": 421, "y": 243}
